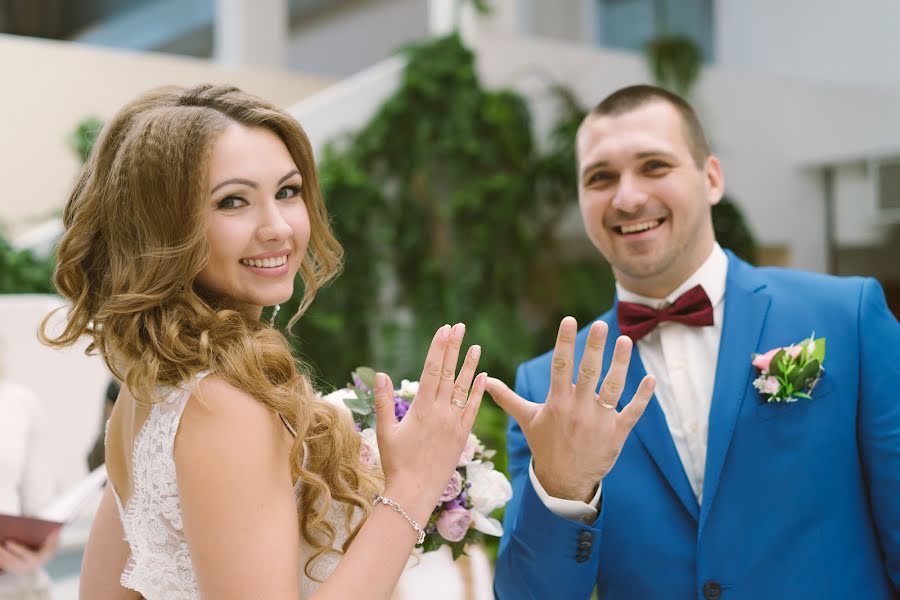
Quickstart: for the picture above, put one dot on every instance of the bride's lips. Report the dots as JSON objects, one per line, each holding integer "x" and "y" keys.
{"x": 272, "y": 264}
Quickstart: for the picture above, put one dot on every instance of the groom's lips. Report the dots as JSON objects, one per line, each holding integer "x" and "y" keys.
{"x": 635, "y": 228}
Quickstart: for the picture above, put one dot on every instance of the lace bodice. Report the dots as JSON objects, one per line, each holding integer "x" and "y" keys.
{"x": 160, "y": 565}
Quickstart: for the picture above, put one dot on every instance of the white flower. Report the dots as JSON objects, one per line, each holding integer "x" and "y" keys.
{"x": 371, "y": 453}
{"x": 487, "y": 525}
{"x": 810, "y": 347}
{"x": 490, "y": 489}
{"x": 408, "y": 389}
{"x": 337, "y": 398}
{"x": 468, "y": 453}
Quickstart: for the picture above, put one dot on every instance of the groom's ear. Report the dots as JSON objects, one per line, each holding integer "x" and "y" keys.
{"x": 714, "y": 180}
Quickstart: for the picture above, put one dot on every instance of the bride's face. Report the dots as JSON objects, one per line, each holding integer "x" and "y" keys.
{"x": 257, "y": 225}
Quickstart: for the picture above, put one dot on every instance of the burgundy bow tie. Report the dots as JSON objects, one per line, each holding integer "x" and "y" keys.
{"x": 691, "y": 308}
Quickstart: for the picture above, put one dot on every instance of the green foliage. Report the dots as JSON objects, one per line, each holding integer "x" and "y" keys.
{"x": 732, "y": 231}
{"x": 84, "y": 136}
{"x": 675, "y": 62}
{"x": 22, "y": 273}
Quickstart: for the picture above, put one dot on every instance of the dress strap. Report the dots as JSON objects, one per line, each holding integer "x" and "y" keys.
{"x": 288, "y": 425}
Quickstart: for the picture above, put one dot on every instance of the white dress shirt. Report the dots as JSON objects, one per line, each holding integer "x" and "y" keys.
{"x": 683, "y": 360}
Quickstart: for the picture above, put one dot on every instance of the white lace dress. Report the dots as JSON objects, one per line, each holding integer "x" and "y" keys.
{"x": 160, "y": 565}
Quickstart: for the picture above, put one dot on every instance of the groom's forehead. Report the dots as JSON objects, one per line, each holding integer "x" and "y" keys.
{"x": 655, "y": 128}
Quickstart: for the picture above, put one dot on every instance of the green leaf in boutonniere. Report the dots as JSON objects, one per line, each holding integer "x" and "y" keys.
{"x": 775, "y": 368}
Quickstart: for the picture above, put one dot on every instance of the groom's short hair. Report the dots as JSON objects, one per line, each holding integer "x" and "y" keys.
{"x": 632, "y": 97}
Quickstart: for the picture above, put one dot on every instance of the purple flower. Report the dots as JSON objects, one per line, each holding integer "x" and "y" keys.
{"x": 453, "y": 524}
{"x": 461, "y": 501}
{"x": 401, "y": 407}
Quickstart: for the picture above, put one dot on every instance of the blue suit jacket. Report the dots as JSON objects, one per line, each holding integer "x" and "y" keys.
{"x": 800, "y": 500}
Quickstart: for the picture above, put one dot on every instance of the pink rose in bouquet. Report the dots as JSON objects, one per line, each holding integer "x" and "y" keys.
{"x": 454, "y": 487}
{"x": 454, "y": 523}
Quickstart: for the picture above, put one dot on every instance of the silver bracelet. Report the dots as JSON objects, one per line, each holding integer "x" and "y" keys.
{"x": 387, "y": 501}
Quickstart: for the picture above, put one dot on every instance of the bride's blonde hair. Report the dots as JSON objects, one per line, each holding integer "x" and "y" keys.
{"x": 134, "y": 244}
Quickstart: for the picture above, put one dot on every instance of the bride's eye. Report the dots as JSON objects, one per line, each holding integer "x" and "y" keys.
{"x": 231, "y": 202}
{"x": 288, "y": 191}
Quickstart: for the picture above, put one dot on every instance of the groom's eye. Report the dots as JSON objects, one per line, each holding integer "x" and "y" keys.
{"x": 599, "y": 177}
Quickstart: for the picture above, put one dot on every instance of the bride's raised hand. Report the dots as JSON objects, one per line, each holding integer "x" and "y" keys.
{"x": 419, "y": 454}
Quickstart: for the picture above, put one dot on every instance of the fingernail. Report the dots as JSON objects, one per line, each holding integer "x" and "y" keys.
{"x": 379, "y": 380}
{"x": 459, "y": 330}
{"x": 476, "y": 351}
{"x": 445, "y": 332}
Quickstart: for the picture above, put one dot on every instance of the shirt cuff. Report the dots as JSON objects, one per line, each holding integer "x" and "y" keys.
{"x": 574, "y": 510}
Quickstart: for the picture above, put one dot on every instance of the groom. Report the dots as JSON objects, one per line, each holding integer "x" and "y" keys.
{"x": 715, "y": 493}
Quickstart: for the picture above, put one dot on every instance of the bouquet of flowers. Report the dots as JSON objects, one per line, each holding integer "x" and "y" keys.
{"x": 790, "y": 373}
{"x": 475, "y": 489}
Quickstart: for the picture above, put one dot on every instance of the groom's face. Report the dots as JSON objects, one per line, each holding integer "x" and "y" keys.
{"x": 644, "y": 199}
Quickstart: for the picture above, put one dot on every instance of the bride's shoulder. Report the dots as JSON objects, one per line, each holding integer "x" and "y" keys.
{"x": 217, "y": 415}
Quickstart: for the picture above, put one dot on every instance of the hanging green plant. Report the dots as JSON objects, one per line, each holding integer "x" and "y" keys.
{"x": 675, "y": 62}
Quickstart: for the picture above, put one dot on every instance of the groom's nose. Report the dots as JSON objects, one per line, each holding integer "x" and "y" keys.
{"x": 630, "y": 196}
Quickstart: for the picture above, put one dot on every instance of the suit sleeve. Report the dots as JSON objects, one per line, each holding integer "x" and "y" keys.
{"x": 879, "y": 419}
{"x": 541, "y": 556}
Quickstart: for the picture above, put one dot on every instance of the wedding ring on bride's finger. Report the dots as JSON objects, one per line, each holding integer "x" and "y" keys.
{"x": 458, "y": 402}
{"x": 604, "y": 404}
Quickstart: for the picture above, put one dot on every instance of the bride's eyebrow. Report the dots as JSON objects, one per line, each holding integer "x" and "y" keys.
{"x": 252, "y": 184}
{"x": 246, "y": 182}
{"x": 289, "y": 175}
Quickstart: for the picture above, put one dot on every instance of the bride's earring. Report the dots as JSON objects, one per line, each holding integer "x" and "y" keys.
{"x": 274, "y": 314}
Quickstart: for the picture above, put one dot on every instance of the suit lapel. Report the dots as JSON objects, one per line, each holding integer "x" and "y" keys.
{"x": 746, "y": 306}
{"x": 651, "y": 429}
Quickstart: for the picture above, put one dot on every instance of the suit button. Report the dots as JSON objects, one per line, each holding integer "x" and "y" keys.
{"x": 585, "y": 544}
{"x": 585, "y": 536}
{"x": 712, "y": 590}
{"x": 580, "y": 558}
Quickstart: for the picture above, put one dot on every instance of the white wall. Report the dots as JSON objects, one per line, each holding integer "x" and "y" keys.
{"x": 48, "y": 87}
{"x": 348, "y": 105}
{"x": 355, "y": 35}
{"x": 848, "y": 42}
{"x": 567, "y": 20}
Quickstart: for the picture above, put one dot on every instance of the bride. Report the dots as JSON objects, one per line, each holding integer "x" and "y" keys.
{"x": 229, "y": 478}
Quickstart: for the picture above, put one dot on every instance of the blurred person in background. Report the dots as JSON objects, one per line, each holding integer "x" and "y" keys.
{"x": 26, "y": 486}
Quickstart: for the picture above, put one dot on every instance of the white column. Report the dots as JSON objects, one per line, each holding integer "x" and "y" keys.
{"x": 506, "y": 17}
{"x": 251, "y": 32}
{"x": 440, "y": 16}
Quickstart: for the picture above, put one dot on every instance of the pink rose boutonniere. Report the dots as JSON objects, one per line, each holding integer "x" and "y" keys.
{"x": 790, "y": 373}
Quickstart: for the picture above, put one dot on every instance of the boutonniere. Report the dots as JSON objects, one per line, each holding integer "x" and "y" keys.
{"x": 790, "y": 373}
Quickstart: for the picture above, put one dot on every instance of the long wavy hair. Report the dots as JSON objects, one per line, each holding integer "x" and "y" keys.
{"x": 134, "y": 243}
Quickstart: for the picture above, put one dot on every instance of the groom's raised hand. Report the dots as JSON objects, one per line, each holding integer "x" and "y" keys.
{"x": 576, "y": 435}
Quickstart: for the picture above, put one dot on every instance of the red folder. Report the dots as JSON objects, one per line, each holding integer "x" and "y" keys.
{"x": 27, "y": 531}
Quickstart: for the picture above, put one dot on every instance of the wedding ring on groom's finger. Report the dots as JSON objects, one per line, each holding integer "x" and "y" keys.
{"x": 604, "y": 404}
{"x": 458, "y": 402}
